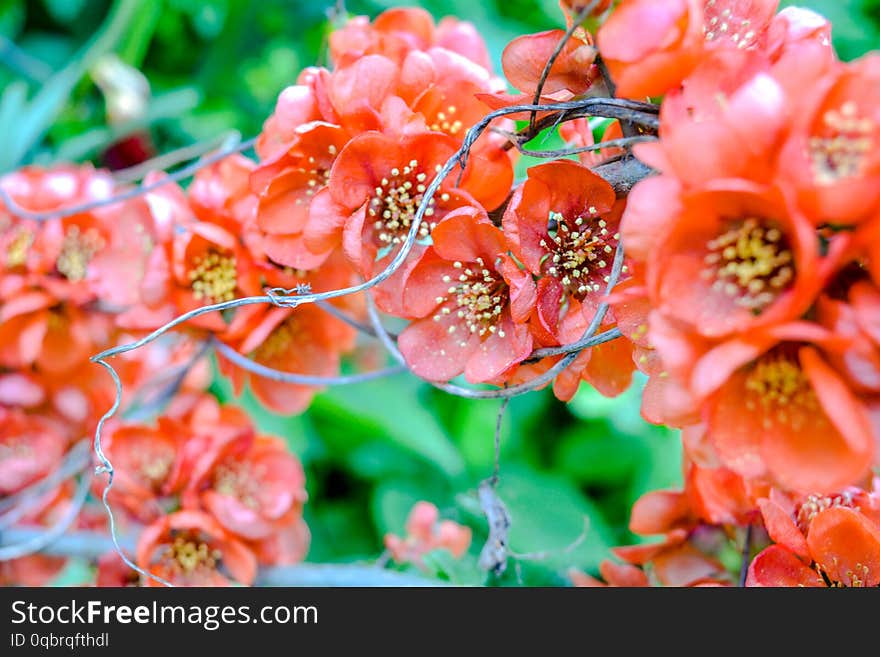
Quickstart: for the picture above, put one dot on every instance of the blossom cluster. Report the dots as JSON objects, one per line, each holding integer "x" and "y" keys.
{"x": 190, "y": 475}
{"x": 740, "y": 276}
{"x": 754, "y": 254}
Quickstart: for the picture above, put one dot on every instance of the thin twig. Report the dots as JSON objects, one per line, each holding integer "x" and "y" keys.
{"x": 498, "y": 421}
{"x": 580, "y": 345}
{"x": 493, "y": 556}
{"x": 37, "y": 543}
{"x": 259, "y": 369}
{"x": 235, "y": 146}
{"x": 175, "y": 157}
{"x": 606, "y": 75}
{"x": 575, "y": 24}
{"x": 624, "y": 142}
{"x": 14, "y": 507}
{"x": 746, "y": 555}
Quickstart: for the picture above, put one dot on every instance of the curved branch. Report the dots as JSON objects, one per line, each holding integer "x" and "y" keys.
{"x": 545, "y": 73}
{"x": 233, "y": 145}
{"x": 16, "y": 550}
{"x": 14, "y": 507}
{"x": 259, "y": 369}
{"x": 86, "y": 544}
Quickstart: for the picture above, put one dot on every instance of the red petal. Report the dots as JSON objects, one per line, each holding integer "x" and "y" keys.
{"x": 776, "y": 566}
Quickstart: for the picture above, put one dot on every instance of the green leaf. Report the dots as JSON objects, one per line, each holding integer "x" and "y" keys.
{"x": 548, "y": 515}
{"x": 395, "y": 406}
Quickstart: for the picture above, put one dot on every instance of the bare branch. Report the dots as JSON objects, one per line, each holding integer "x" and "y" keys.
{"x": 575, "y": 24}
{"x": 493, "y": 556}
{"x": 14, "y": 507}
{"x": 85, "y": 544}
{"x": 233, "y": 145}
{"x": 253, "y": 367}
{"x": 227, "y": 144}
{"x": 625, "y": 142}
{"x": 37, "y": 543}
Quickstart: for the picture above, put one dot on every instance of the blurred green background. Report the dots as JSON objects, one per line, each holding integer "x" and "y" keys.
{"x": 370, "y": 451}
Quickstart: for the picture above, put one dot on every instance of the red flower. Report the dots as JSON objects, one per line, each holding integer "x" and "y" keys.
{"x": 210, "y": 265}
{"x": 820, "y": 541}
{"x": 375, "y": 189}
{"x": 304, "y": 340}
{"x": 397, "y": 32}
{"x": 831, "y": 158}
{"x": 739, "y": 24}
{"x": 524, "y": 59}
{"x": 148, "y": 466}
{"x": 774, "y": 407}
{"x": 252, "y": 493}
{"x": 562, "y": 223}
{"x": 857, "y": 322}
{"x": 98, "y": 254}
{"x": 703, "y": 136}
{"x": 722, "y": 261}
{"x": 473, "y": 301}
{"x": 614, "y": 574}
{"x": 424, "y": 533}
{"x": 189, "y": 548}
{"x": 650, "y": 46}
{"x": 287, "y": 183}
{"x": 31, "y": 447}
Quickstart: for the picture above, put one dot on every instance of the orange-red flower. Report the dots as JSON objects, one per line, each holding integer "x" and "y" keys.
{"x": 253, "y": 492}
{"x": 821, "y": 540}
{"x": 650, "y": 46}
{"x": 562, "y": 224}
{"x": 189, "y": 548}
{"x": 375, "y": 189}
{"x": 148, "y": 464}
{"x": 397, "y": 32}
{"x": 773, "y": 407}
{"x": 703, "y": 136}
{"x": 304, "y": 340}
{"x": 473, "y": 301}
{"x": 31, "y": 447}
{"x": 525, "y": 58}
{"x": 831, "y": 158}
{"x": 424, "y": 533}
{"x": 723, "y": 260}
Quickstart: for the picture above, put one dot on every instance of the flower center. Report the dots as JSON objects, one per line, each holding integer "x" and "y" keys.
{"x": 477, "y": 298}
{"x": 278, "y": 343}
{"x": 720, "y": 25}
{"x": 779, "y": 386}
{"x": 16, "y": 447}
{"x": 241, "y": 481}
{"x": 579, "y": 256}
{"x": 16, "y": 252}
{"x": 751, "y": 262}
{"x": 395, "y": 203}
{"x": 213, "y": 277}
{"x": 155, "y": 465}
{"x": 841, "y": 148}
{"x": 187, "y": 555}
{"x": 811, "y": 506}
{"x": 446, "y": 122}
{"x": 77, "y": 250}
